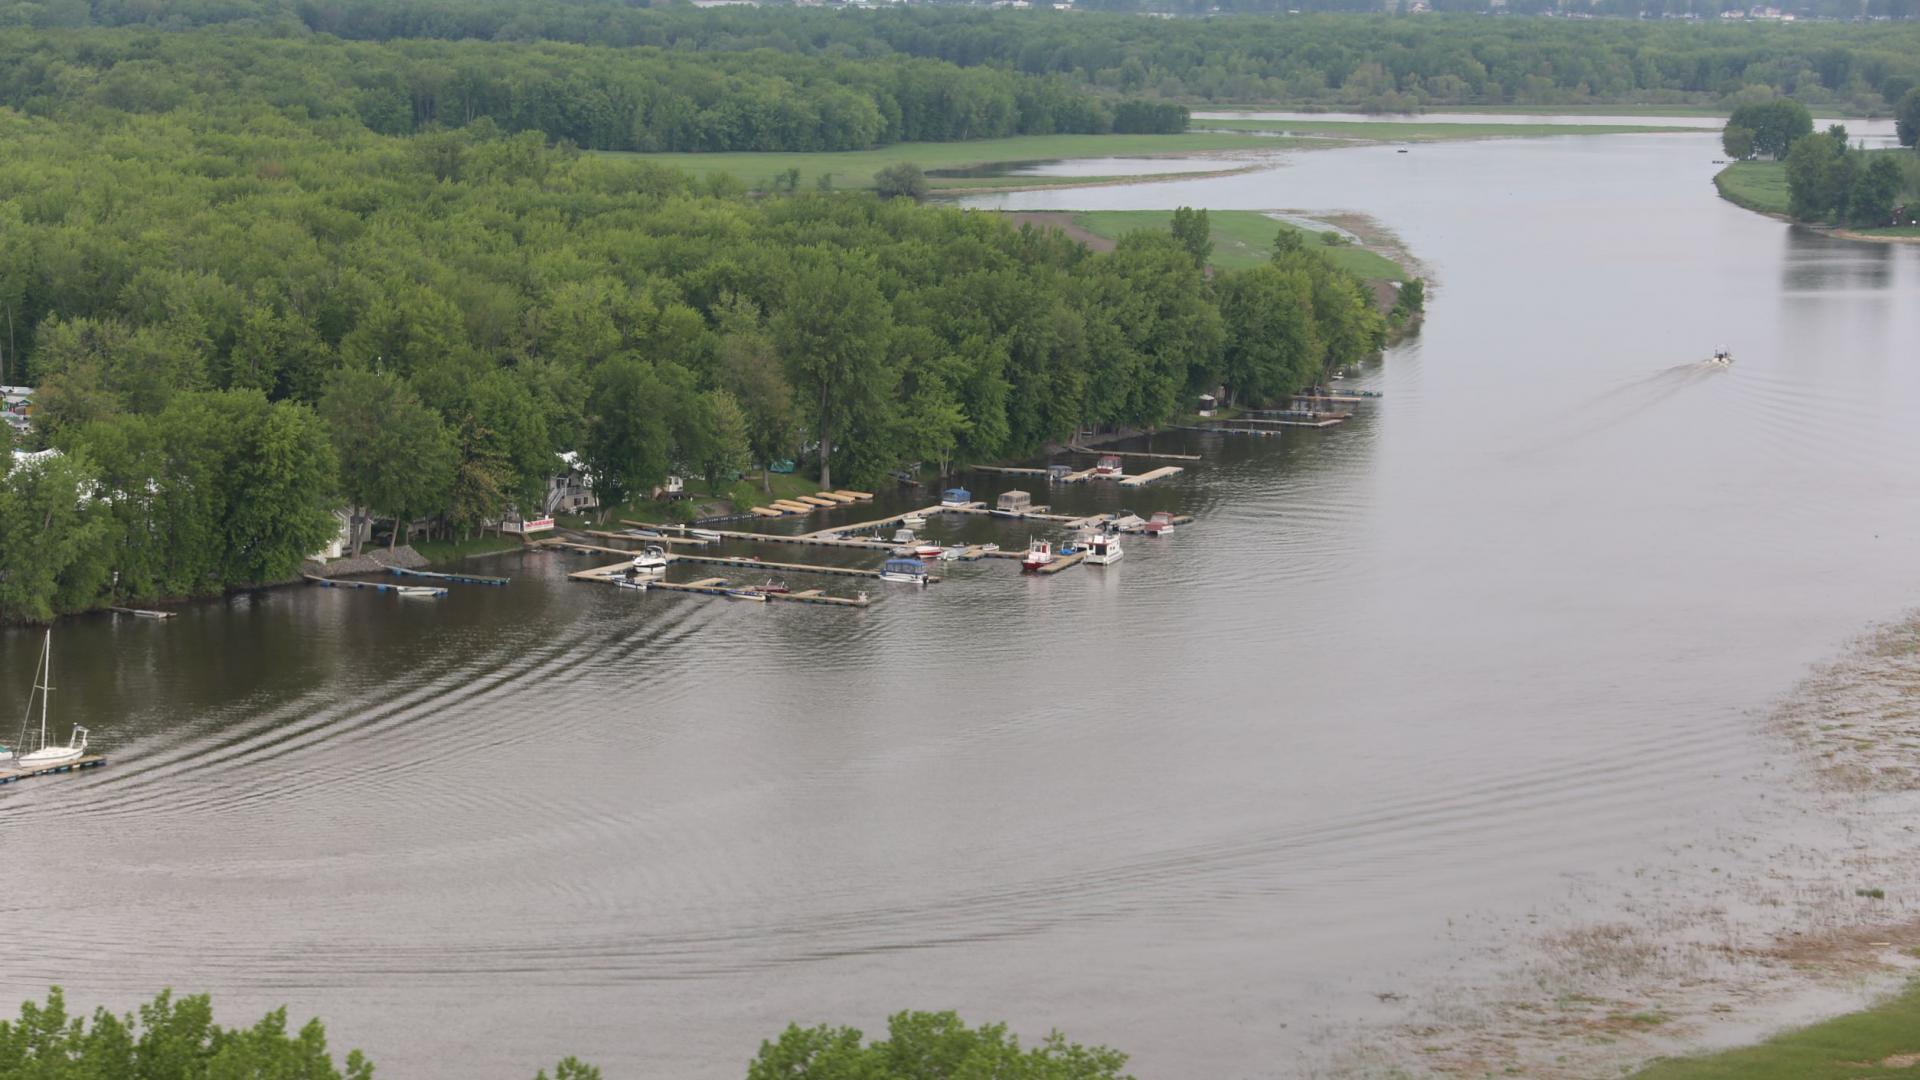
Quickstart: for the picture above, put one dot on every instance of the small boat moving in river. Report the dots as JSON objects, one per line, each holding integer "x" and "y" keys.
{"x": 46, "y": 753}
{"x": 1722, "y": 357}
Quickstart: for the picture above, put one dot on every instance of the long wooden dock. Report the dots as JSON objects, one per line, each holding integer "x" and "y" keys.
{"x": 1263, "y": 433}
{"x": 90, "y": 761}
{"x": 1134, "y": 453}
{"x": 663, "y": 538}
{"x": 1145, "y": 478}
{"x": 720, "y": 587}
{"x": 142, "y": 613}
{"x": 461, "y": 579}
{"x": 722, "y": 560}
{"x": 376, "y": 586}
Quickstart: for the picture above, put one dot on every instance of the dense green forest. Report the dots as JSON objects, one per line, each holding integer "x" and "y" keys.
{"x": 176, "y": 1039}
{"x": 1324, "y": 60}
{"x": 239, "y": 320}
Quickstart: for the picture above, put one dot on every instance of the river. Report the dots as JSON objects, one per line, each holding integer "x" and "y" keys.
{"x": 1504, "y": 634}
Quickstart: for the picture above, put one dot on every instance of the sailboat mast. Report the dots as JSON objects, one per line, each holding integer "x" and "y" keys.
{"x": 46, "y": 679}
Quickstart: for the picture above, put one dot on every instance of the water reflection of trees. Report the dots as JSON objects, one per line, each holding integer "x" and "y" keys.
{"x": 1818, "y": 262}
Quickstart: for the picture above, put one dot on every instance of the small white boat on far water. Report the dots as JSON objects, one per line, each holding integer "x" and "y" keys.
{"x": 1722, "y": 356}
{"x": 47, "y": 753}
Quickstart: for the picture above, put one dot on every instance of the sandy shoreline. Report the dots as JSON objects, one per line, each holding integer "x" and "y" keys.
{"x": 1823, "y": 919}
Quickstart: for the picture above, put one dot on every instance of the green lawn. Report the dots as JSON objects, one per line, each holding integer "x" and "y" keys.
{"x": 855, "y": 168}
{"x": 1241, "y": 238}
{"x": 1416, "y": 131}
{"x": 1895, "y": 230}
{"x": 1870, "y": 1045}
{"x": 1756, "y": 185}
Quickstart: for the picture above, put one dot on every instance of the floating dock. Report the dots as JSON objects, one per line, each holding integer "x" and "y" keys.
{"x": 1134, "y": 453}
{"x": 461, "y": 579}
{"x": 663, "y": 538}
{"x": 722, "y": 560}
{"x": 376, "y": 586}
{"x": 1262, "y": 432}
{"x": 720, "y": 587}
{"x": 90, "y": 761}
{"x": 1145, "y": 478}
{"x": 142, "y": 613}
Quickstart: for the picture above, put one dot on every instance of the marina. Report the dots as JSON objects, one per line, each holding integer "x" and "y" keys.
{"x": 720, "y": 587}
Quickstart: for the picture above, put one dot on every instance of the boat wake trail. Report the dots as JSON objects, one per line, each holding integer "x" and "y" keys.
{"x": 1624, "y": 403}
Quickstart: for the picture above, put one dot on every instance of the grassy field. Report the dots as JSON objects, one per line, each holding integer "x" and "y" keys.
{"x": 1895, "y": 230}
{"x": 1881, "y": 1042}
{"x": 1756, "y": 185}
{"x": 855, "y": 168}
{"x": 1241, "y": 238}
{"x": 1416, "y": 131}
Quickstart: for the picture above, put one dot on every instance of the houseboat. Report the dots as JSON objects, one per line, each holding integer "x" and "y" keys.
{"x": 651, "y": 561}
{"x": 1107, "y": 466}
{"x": 1039, "y": 554}
{"x": 1161, "y": 524}
{"x": 1013, "y": 504}
{"x": 1104, "y": 549}
{"x": 957, "y": 497}
{"x": 909, "y": 571}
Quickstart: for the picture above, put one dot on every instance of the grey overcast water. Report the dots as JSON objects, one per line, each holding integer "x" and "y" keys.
{"x": 1507, "y": 628}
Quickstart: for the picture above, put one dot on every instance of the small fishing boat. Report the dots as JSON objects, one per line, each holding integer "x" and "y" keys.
{"x": 1108, "y": 465}
{"x": 419, "y": 592}
{"x": 1722, "y": 357}
{"x": 928, "y": 551}
{"x": 751, "y": 595}
{"x": 1104, "y": 550}
{"x": 954, "y": 553}
{"x": 771, "y": 587}
{"x": 989, "y": 547}
{"x": 908, "y": 571}
{"x": 1161, "y": 524}
{"x": 48, "y": 753}
{"x": 703, "y": 534}
{"x": 1039, "y": 554}
{"x": 651, "y": 561}
{"x": 914, "y": 521}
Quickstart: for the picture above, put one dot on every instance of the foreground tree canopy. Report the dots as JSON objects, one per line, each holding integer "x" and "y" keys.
{"x": 176, "y": 1039}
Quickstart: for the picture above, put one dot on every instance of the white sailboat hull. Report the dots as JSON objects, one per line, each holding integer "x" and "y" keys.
{"x": 53, "y": 755}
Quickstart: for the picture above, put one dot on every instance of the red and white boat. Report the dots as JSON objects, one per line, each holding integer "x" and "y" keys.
{"x": 1161, "y": 524}
{"x": 1108, "y": 465}
{"x": 924, "y": 550}
{"x": 1039, "y": 554}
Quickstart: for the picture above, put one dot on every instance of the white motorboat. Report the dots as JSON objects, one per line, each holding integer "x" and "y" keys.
{"x": 651, "y": 561}
{"x": 46, "y": 753}
{"x": 914, "y": 521}
{"x": 1723, "y": 357}
{"x": 420, "y": 592}
{"x": 953, "y": 554}
{"x": 1104, "y": 549}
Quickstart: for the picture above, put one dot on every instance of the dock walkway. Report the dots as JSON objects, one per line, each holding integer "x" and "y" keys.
{"x": 719, "y": 587}
{"x": 89, "y": 761}
{"x": 461, "y": 579}
{"x": 376, "y": 586}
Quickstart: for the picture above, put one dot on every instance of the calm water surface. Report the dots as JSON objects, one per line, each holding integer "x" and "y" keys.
{"x": 1505, "y": 630}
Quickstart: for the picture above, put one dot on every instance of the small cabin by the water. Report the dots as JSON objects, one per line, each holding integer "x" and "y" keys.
{"x": 956, "y": 497}
{"x": 1014, "y": 502}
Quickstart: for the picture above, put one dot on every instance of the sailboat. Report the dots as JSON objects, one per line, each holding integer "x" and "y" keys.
{"x": 47, "y": 753}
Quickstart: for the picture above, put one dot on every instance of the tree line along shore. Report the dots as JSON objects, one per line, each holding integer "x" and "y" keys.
{"x": 1821, "y": 177}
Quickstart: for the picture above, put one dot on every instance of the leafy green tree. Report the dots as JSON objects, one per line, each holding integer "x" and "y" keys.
{"x": 55, "y": 534}
{"x": 832, "y": 335}
{"x": 1273, "y": 349}
{"x": 748, "y": 367}
{"x": 905, "y": 180}
{"x": 1819, "y": 178}
{"x": 629, "y": 438}
{"x": 1775, "y": 125}
{"x": 929, "y": 1046}
{"x": 1737, "y": 141}
{"x": 396, "y": 456}
{"x": 1906, "y": 118}
{"x": 1191, "y": 229}
{"x": 1875, "y": 188}
{"x": 728, "y": 451}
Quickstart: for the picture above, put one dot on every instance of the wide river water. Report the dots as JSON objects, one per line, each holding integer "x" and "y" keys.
{"x": 1507, "y": 630}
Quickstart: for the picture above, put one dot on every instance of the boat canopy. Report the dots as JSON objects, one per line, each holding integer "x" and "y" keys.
{"x": 1015, "y": 500}
{"x": 903, "y": 566}
{"x": 956, "y": 495}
